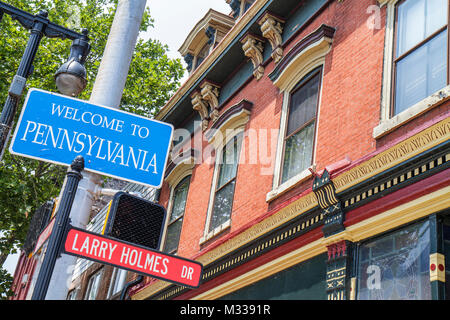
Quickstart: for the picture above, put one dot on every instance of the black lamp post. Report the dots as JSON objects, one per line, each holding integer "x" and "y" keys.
{"x": 62, "y": 220}
{"x": 70, "y": 78}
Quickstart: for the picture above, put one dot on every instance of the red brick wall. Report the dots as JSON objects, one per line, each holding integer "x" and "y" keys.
{"x": 349, "y": 110}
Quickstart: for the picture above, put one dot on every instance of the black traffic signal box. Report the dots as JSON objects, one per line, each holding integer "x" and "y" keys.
{"x": 135, "y": 220}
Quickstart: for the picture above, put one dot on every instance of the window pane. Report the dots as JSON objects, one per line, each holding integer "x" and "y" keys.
{"x": 179, "y": 198}
{"x": 117, "y": 281}
{"x": 173, "y": 236}
{"x": 303, "y": 104}
{"x": 230, "y": 159}
{"x": 178, "y": 206}
{"x": 223, "y": 203}
{"x": 298, "y": 152}
{"x": 411, "y": 25}
{"x": 93, "y": 285}
{"x": 417, "y": 20}
{"x": 395, "y": 267}
{"x": 436, "y": 16}
{"x": 421, "y": 73}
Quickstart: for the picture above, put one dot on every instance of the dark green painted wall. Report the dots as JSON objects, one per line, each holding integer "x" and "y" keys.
{"x": 305, "y": 281}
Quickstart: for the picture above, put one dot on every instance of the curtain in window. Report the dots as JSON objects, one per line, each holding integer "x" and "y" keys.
{"x": 300, "y": 128}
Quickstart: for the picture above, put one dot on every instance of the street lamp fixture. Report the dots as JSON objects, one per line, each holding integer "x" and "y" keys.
{"x": 71, "y": 76}
{"x": 40, "y": 26}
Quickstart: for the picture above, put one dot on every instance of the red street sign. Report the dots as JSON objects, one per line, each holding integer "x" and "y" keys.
{"x": 132, "y": 257}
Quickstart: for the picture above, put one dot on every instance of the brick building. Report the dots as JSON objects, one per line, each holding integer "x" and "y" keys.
{"x": 310, "y": 159}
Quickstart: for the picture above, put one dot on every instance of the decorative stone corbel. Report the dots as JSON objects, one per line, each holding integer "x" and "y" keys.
{"x": 210, "y": 94}
{"x": 253, "y": 47}
{"x": 199, "y": 105}
{"x": 272, "y": 29}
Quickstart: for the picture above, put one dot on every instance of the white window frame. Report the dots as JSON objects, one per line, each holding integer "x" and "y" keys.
{"x": 306, "y": 61}
{"x": 185, "y": 172}
{"x": 95, "y": 277}
{"x": 115, "y": 287}
{"x": 219, "y": 138}
{"x": 387, "y": 123}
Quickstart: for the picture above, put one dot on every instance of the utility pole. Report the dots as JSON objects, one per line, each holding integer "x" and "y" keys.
{"x": 107, "y": 91}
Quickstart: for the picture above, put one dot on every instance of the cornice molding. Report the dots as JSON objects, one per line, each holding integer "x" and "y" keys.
{"x": 213, "y": 56}
{"x": 420, "y": 142}
{"x": 210, "y": 94}
{"x": 384, "y": 2}
{"x": 314, "y": 46}
{"x": 183, "y": 161}
{"x": 212, "y": 18}
{"x": 198, "y": 104}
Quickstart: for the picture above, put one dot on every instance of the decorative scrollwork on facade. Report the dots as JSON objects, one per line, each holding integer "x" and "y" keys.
{"x": 253, "y": 47}
{"x": 272, "y": 29}
{"x": 199, "y": 105}
{"x": 210, "y": 94}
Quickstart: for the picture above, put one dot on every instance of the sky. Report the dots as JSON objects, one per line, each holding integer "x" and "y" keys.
{"x": 173, "y": 20}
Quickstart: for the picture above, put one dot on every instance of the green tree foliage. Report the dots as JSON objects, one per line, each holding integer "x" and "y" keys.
{"x": 25, "y": 184}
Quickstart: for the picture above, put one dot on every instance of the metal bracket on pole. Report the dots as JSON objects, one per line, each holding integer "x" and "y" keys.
{"x": 99, "y": 191}
{"x": 17, "y": 86}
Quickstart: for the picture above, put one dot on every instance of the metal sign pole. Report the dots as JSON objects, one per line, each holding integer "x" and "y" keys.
{"x": 56, "y": 240}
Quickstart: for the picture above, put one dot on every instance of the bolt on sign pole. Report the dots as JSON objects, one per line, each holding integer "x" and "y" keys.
{"x": 60, "y": 228}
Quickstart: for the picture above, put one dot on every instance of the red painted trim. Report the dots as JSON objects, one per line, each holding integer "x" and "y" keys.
{"x": 257, "y": 220}
{"x": 269, "y": 256}
{"x": 399, "y": 197}
{"x": 409, "y": 193}
{"x": 391, "y": 144}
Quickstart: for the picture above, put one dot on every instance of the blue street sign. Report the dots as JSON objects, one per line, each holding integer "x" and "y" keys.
{"x": 56, "y": 128}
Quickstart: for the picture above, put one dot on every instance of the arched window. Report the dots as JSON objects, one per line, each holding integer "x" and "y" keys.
{"x": 226, "y": 136}
{"x": 299, "y": 77}
{"x": 226, "y": 181}
{"x": 300, "y": 128}
{"x": 178, "y": 206}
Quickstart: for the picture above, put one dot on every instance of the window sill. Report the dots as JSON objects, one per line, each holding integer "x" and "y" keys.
{"x": 288, "y": 185}
{"x": 215, "y": 232}
{"x": 388, "y": 125}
